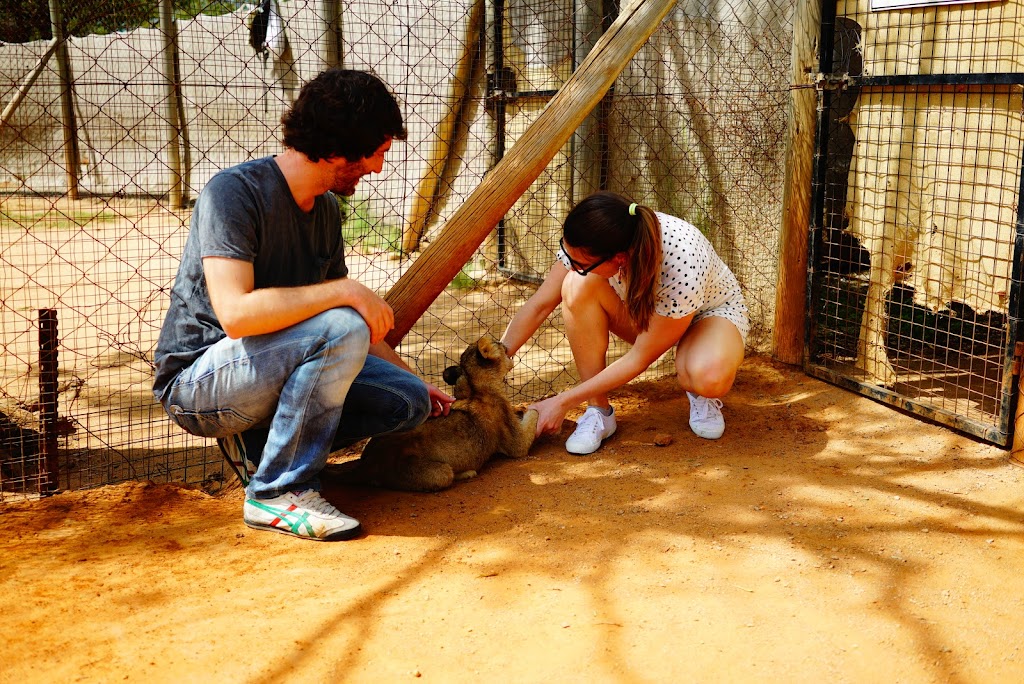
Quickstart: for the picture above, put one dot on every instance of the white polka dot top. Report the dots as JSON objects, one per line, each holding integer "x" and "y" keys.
{"x": 693, "y": 277}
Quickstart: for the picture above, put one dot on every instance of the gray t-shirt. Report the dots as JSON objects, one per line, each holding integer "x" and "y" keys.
{"x": 245, "y": 212}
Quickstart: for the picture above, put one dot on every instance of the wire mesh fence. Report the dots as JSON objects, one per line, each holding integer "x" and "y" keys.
{"x": 917, "y": 258}
{"x": 118, "y": 114}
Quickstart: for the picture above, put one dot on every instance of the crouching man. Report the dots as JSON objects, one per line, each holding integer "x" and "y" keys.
{"x": 267, "y": 345}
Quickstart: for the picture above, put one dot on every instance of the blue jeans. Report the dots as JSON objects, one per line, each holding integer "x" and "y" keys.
{"x": 295, "y": 396}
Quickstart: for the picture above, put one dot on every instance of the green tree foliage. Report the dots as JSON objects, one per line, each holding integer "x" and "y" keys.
{"x": 25, "y": 20}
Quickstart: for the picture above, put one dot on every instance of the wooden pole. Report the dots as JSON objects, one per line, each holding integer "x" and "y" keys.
{"x": 590, "y": 141}
{"x": 26, "y": 84}
{"x": 791, "y": 287}
{"x": 66, "y": 104}
{"x": 331, "y": 45}
{"x": 1017, "y": 446}
{"x": 509, "y": 179}
{"x": 440, "y": 145}
{"x": 171, "y": 108}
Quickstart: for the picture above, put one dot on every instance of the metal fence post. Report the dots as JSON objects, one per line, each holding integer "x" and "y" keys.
{"x": 1017, "y": 447}
{"x": 49, "y": 482}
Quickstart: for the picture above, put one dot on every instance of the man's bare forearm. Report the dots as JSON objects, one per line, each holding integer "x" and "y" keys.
{"x": 382, "y": 350}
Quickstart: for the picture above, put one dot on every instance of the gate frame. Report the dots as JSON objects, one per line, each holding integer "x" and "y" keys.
{"x": 829, "y": 83}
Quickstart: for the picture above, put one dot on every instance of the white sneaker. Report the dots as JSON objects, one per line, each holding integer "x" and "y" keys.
{"x": 706, "y": 418}
{"x": 592, "y": 428}
{"x": 300, "y": 514}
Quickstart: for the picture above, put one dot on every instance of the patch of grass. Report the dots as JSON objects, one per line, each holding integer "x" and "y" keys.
{"x": 702, "y": 222}
{"x": 59, "y": 220}
{"x": 464, "y": 281}
{"x": 364, "y": 231}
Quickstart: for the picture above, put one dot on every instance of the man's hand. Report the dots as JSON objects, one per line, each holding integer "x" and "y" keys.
{"x": 377, "y": 313}
{"x": 440, "y": 403}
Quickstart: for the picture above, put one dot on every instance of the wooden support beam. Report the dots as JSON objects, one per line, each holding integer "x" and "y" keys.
{"x": 26, "y": 84}
{"x": 439, "y": 146}
{"x": 438, "y": 264}
{"x": 67, "y": 106}
{"x": 791, "y": 284}
{"x": 172, "y": 97}
{"x": 330, "y": 45}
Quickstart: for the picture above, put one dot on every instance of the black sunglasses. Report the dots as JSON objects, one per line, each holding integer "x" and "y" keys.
{"x": 576, "y": 266}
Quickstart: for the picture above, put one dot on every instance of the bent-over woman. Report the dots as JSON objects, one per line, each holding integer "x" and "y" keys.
{"x": 653, "y": 280}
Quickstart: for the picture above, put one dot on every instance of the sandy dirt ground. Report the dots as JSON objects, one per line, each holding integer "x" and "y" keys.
{"x": 825, "y": 537}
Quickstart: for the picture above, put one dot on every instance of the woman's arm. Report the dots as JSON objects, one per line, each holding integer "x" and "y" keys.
{"x": 536, "y": 309}
{"x": 662, "y": 333}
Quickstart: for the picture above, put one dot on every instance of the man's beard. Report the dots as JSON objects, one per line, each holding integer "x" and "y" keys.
{"x": 345, "y": 186}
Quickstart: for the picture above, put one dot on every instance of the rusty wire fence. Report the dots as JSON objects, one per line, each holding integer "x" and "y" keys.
{"x": 919, "y": 237}
{"x": 116, "y": 116}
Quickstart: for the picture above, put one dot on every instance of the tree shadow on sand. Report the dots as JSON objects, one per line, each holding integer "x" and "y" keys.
{"x": 777, "y": 492}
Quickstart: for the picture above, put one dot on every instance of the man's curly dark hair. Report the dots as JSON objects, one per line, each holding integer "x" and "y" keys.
{"x": 342, "y": 113}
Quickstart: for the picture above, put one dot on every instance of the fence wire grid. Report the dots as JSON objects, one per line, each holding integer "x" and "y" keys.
{"x": 915, "y": 276}
{"x": 116, "y": 115}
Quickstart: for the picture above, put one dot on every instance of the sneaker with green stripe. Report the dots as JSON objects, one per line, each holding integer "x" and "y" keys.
{"x": 303, "y": 514}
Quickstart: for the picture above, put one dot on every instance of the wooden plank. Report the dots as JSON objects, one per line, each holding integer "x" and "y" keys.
{"x": 509, "y": 179}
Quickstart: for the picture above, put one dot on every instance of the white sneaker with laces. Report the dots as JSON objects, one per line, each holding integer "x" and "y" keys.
{"x": 301, "y": 514}
{"x": 592, "y": 428}
{"x": 706, "y": 418}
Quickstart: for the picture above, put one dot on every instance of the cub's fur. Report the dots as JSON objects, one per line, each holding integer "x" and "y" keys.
{"x": 481, "y": 423}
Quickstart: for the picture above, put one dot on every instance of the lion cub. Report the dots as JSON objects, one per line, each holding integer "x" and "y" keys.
{"x": 481, "y": 423}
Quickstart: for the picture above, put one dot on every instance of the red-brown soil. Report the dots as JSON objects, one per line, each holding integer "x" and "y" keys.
{"x": 825, "y": 537}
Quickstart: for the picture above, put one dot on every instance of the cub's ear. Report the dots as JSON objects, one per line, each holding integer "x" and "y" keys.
{"x": 451, "y": 374}
{"x": 489, "y": 348}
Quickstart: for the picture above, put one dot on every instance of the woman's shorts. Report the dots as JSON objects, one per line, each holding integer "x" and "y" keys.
{"x": 734, "y": 310}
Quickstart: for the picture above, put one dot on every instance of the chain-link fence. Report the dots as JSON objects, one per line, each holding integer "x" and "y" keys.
{"x": 115, "y": 120}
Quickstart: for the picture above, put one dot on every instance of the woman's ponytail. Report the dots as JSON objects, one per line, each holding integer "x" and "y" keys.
{"x": 643, "y": 269}
{"x": 605, "y": 224}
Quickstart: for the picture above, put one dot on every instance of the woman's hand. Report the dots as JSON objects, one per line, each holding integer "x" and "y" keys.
{"x": 551, "y": 413}
{"x": 440, "y": 403}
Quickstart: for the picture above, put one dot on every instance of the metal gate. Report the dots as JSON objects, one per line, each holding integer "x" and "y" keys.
{"x": 917, "y": 225}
